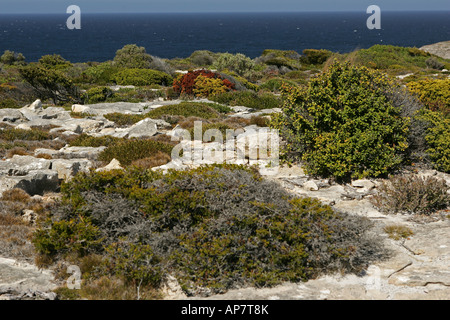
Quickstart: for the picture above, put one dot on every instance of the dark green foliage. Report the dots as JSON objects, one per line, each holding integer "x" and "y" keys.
{"x": 122, "y": 119}
{"x": 136, "y": 263}
{"x": 142, "y": 77}
{"x": 85, "y": 140}
{"x": 55, "y": 62}
{"x": 214, "y": 228}
{"x": 280, "y": 58}
{"x": 12, "y": 58}
{"x": 438, "y": 139}
{"x": 100, "y": 74}
{"x": 387, "y": 57}
{"x": 13, "y": 134}
{"x": 412, "y": 194}
{"x": 50, "y": 82}
{"x": 132, "y": 56}
{"x": 314, "y": 56}
{"x": 202, "y": 58}
{"x": 275, "y": 84}
{"x": 248, "y": 99}
{"x": 97, "y": 94}
{"x": 344, "y": 124}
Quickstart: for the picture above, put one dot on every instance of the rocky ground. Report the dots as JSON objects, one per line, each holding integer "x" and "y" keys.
{"x": 417, "y": 269}
{"x": 441, "y": 49}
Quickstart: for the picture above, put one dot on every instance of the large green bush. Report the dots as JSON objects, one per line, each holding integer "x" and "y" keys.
{"x": 100, "y": 74}
{"x": 97, "y": 95}
{"x": 214, "y": 228}
{"x": 438, "y": 139}
{"x": 433, "y": 93}
{"x": 12, "y": 58}
{"x": 238, "y": 63}
{"x": 50, "y": 82}
{"x": 142, "y": 77}
{"x": 132, "y": 56}
{"x": 343, "y": 124}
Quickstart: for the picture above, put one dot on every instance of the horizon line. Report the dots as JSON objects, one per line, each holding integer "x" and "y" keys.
{"x": 226, "y": 12}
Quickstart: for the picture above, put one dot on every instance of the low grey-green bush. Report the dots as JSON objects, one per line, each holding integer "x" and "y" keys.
{"x": 214, "y": 228}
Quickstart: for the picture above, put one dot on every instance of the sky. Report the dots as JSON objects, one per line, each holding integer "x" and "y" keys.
{"x": 157, "y": 6}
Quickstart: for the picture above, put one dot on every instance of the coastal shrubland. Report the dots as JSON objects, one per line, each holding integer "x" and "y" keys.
{"x": 218, "y": 227}
{"x": 224, "y": 227}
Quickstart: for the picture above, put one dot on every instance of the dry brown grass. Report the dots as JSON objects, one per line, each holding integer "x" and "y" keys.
{"x": 21, "y": 151}
{"x": 155, "y": 161}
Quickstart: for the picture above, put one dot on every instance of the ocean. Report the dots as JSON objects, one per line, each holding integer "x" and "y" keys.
{"x": 172, "y": 35}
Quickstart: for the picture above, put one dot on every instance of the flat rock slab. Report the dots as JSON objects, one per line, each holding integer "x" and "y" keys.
{"x": 18, "y": 277}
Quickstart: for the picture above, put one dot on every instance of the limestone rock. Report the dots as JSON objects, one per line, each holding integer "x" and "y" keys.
{"x": 36, "y": 105}
{"x": 113, "y": 165}
{"x": 10, "y": 115}
{"x": 33, "y": 182}
{"x": 363, "y": 185}
{"x": 144, "y": 128}
{"x": 441, "y": 49}
{"x": 67, "y": 168}
{"x": 28, "y": 163}
{"x": 90, "y": 153}
{"x": 310, "y": 186}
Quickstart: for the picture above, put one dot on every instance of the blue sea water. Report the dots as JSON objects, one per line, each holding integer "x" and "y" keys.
{"x": 178, "y": 35}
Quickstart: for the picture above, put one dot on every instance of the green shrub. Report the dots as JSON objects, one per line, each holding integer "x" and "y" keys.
{"x": 275, "y": 84}
{"x": 238, "y": 63}
{"x": 122, "y": 119}
{"x": 100, "y": 74}
{"x": 85, "y": 140}
{"x": 50, "y": 82}
{"x": 132, "y": 56}
{"x": 384, "y": 57}
{"x": 248, "y": 99}
{"x": 438, "y": 139}
{"x": 142, "y": 77}
{"x": 202, "y": 58}
{"x": 343, "y": 124}
{"x": 9, "y": 103}
{"x": 54, "y": 61}
{"x": 314, "y": 56}
{"x": 214, "y": 228}
{"x": 73, "y": 236}
{"x": 412, "y": 194}
{"x": 135, "y": 262}
{"x": 434, "y": 94}
{"x": 12, "y": 58}
{"x": 97, "y": 94}
{"x": 280, "y": 58}
{"x": 129, "y": 150}
{"x": 13, "y": 134}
